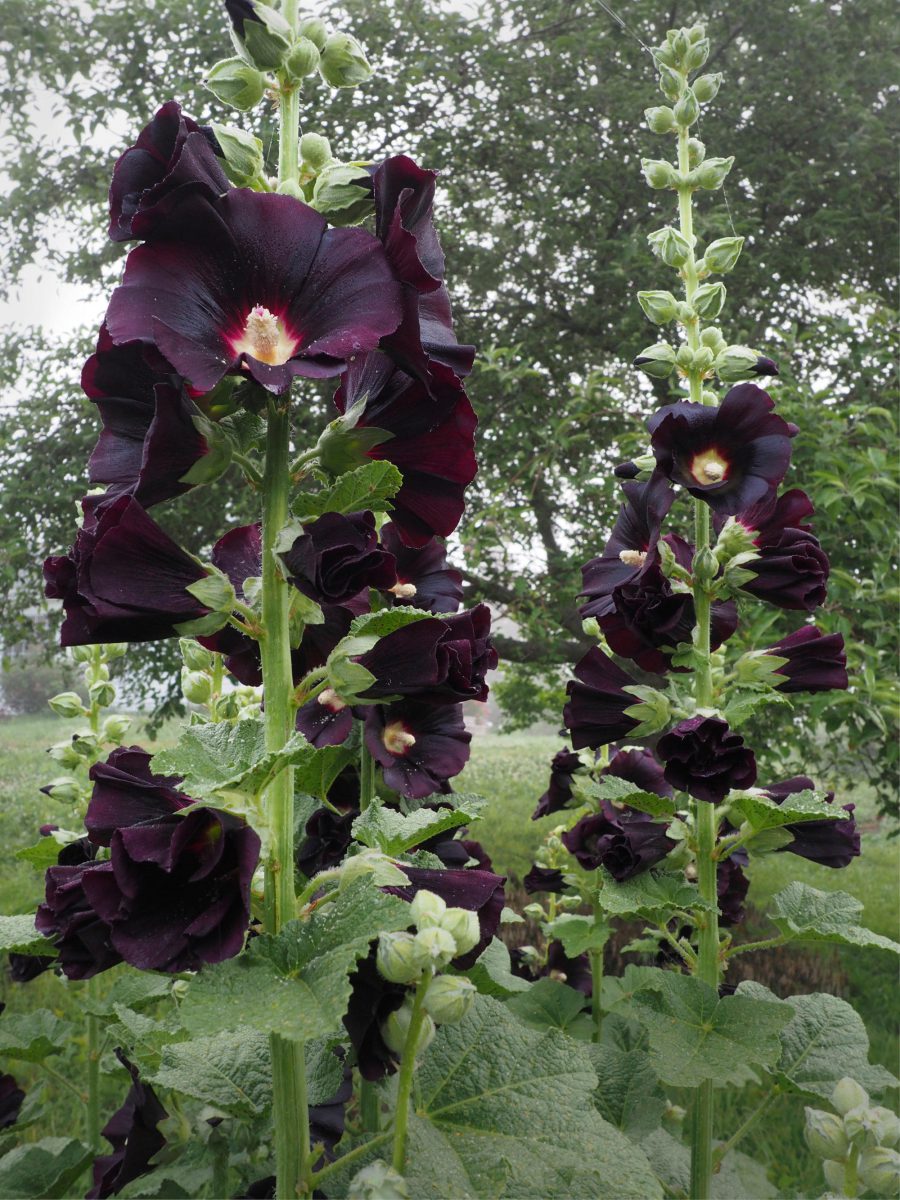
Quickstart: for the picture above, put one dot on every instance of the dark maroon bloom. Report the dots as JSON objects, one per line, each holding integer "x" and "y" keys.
{"x": 731, "y": 456}
{"x": 11, "y": 1100}
{"x": 432, "y": 441}
{"x": 240, "y": 11}
{"x": 123, "y": 581}
{"x": 559, "y": 791}
{"x": 327, "y": 841}
{"x": 423, "y": 578}
{"x": 25, "y": 967}
{"x": 418, "y": 747}
{"x": 262, "y": 286}
{"x": 816, "y": 661}
{"x": 595, "y": 711}
{"x": 325, "y": 720}
{"x": 480, "y": 892}
{"x": 337, "y": 556}
{"x": 543, "y": 879}
{"x": 634, "y": 537}
{"x": 404, "y": 196}
{"x": 576, "y": 972}
{"x": 173, "y": 158}
{"x": 828, "y": 843}
{"x": 641, "y": 768}
{"x": 732, "y": 886}
{"x": 149, "y": 440}
{"x": 134, "y": 1136}
{"x": 623, "y": 841}
{"x": 476, "y": 851}
{"x": 439, "y": 660}
{"x": 453, "y": 852}
{"x": 327, "y": 1120}
{"x": 126, "y": 792}
{"x": 81, "y": 938}
{"x": 792, "y": 569}
{"x": 705, "y": 759}
{"x": 372, "y": 1000}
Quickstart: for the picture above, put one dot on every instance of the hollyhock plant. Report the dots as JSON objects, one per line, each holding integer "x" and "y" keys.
{"x": 543, "y": 879}
{"x": 814, "y": 661}
{"x": 327, "y": 840}
{"x": 337, "y": 556}
{"x": 372, "y": 999}
{"x": 704, "y": 758}
{"x": 404, "y": 198}
{"x": 559, "y": 791}
{"x": 831, "y": 843}
{"x": 133, "y": 1131}
{"x": 622, "y": 841}
{"x": 732, "y": 886}
{"x": 480, "y": 892}
{"x": 423, "y": 577}
{"x": 595, "y": 713}
{"x": 325, "y": 720}
{"x": 417, "y": 747}
{"x": 81, "y": 938}
{"x": 126, "y": 793}
{"x": 731, "y": 456}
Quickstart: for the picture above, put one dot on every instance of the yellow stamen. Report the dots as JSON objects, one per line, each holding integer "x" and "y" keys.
{"x": 403, "y": 591}
{"x": 397, "y": 738}
{"x": 264, "y": 338}
{"x": 709, "y": 467}
{"x": 633, "y": 558}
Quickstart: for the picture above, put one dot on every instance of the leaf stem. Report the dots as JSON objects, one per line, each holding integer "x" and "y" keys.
{"x": 765, "y": 944}
{"x": 407, "y": 1070}
{"x": 745, "y": 1125}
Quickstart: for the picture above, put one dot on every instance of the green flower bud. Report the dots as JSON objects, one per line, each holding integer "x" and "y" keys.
{"x": 65, "y": 754}
{"x": 659, "y": 307}
{"x": 660, "y": 120}
{"x": 708, "y": 300}
{"x": 81, "y": 654}
{"x": 85, "y": 744}
{"x": 396, "y": 1028}
{"x": 886, "y": 1125}
{"x": 653, "y": 710}
{"x": 449, "y": 998}
{"x": 722, "y": 254}
{"x": 706, "y": 87}
{"x": 848, "y": 1094}
{"x": 657, "y": 361}
{"x": 343, "y": 194}
{"x": 703, "y": 359}
{"x": 228, "y": 707}
{"x": 290, "y": 187}
{"x": 266, "y": 41}
{"x": 64, "y": 788}
{"x": 671, "y": 83}
{"x": 712, "y": 337}
{"x": 236, "y": 83}
{"x": 344, "y": 63}
{"x": 243, "y": 154}
{"x": 102, "y": 693}
{"x": 115, "y": 727}
{"x": 696, "y": 152}
{"x": 696, "y": 33}
{"x": 378, "y": 1181}
{"x": 315, "y": 29}
{"x": 705, "y": 566}
{"x": 315, "y": 151}
{"x": 303, "y": 59}
{"x": 879, "y": 1170}
{"x": 687, "y": 110}
{"x": 824, "y": 1133}
{"x": 670, "y": 245}
{"x": 437, "y": 945}
{"x": 427, "y": 910}
{"x": 663, "y": 54}
{"x": 196, "y": 686}
{"x": 463, "y": 927}
{"x": 834, "y": 1175}
{"x": 196, "y": 657}
{"x": 734, "y": 539}
{"x": 399, "y": 957}
{"x": 696, "y": 55}
{"x": 659, "y": 173}
{"x": 737, "y": 363}
{"x": 678, "y": 40}
{"x": 711, "y": 173}
{"x": 536, "y": 912}
{"x": 685, "y": 313}
{"x": 67, "y": 704}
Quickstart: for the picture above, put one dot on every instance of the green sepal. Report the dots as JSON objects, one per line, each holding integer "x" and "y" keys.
{"x": 652, "y": 712}
{"x": 244, "y": 160}
{"x": 214, "y": 591}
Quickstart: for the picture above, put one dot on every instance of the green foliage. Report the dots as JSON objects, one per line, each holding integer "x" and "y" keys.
{"x": 45, "y": 1170}
{"x": 628, "y": 1095}
{"x": 804, "y": 912}
{"x": 370, "y": 486}
{"x": 232, "y": 1071}
{"x": 762, "y": 813}
{"x": 621, "y": 791}
{"x": 33, "y": 1036}
{"x": 491, "y": 974}
{"x": 651, "y": 894}
{"x": 19, "y": 934}
{"x": 393, "y": 833}
{"x": 549, "y": 1004}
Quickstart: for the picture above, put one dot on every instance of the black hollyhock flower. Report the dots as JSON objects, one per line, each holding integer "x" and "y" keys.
{"x": 126, "y": 793}
{"x": 792, "y": 568}
{"x": 731, "y": 456}
{"x": 404, "y": 197}
{"x": 81, "y": 937}
{"x": 456, "y": 853}
{"x": 423, "y": 578}
{"x": 149, "y": 440}
{"x": 705, "y": 759}
{"x": 327, "y": 1120}
{"x": 595, "y": 711}
{"x": 11, "y": 1100}
{"x": 559, "y": 791}
{"x": 828, "y": 843}
{"x": 732, "y": 886}
{"x": 327, "y": 840}
{"x": 641, "y": 768}
{"x": 432, "y": 437}
{"x": 418, "y": 747}
{"x": 134, "y": 1135}
{"x": 337, "y": 556}
{"x": 260, "y": 1189}
{"x": 325, "y": 720}
{"x": 480, "y": 892}
{"x": 262, "y": 286}
{"x": 25, "y": 967}
{"x": 816, "y": 662}
{"x": 439, "y": 660}
{"x": 124, "y": 580}
{"x": 173, "y": 158}
{"x": 543, "y": 879}
{"x": 240, "y": 11}
{"x": 623, "y": 841}
{"x": 634, "y": 537}
{"x": 372, "y": 1000}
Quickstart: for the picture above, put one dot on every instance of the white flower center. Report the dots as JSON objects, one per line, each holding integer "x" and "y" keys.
{"x": 329, "y": 699}
{"x": 265, "y": 338}
{"x": 633, "y": 558}
{"x": 403, "y": 591}
{"x": 397, "y": 738}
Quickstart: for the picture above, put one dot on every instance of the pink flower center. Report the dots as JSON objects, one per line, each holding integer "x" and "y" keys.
{"x": 265, "y": 338}
{"x": 397, "y": 739}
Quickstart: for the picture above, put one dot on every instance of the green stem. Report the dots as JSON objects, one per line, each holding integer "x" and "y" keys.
{"x": 66, "y": 1083}
{"x": 766, "y": 944}
{"x": 407, "y": 1070}
{"x": 220, "y": 1156}
{"x": 93, "y": 1074}
{"x": 851, "y": 1172}
{"x": 366, "y": 773}
{"x": 351, "y": 1156}
{"x": 369, "y": 1106}
{"x": 745, "y": 1126}
{"x": 597, "y": 973}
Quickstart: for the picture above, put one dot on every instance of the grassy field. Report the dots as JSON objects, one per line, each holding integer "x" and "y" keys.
{"x": 512, "y": 771}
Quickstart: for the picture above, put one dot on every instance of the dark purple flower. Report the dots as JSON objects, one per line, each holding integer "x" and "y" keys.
{"x": 641, "y": 768}
{"x": 816, "y": 661}
{"x": 149, "y": 440}
{"x": 559, "y": 791}
{"x": 439, "y": 660}
{"x": 372, "y": 1000}
{"x": 81, "y": 937}
{"x": 404, "y": 196}
{"x": 480, "y": 892}
{"x": 11, "y": 1100}
{"x": 576, "y": 972}
{"x": 173, "y": 158}
{"x": 418, "y": 747}
{"x": 25, "y": 967}
{"x": 260, "y": 1189}
{"x": 543, "y": 879}
{"x": 126, "y": 792}
{"x": 792, "y": 568}
{"x": 595, "y": 711}
{"x": 634, "y": 537}
{"x": 705, "y": 759}
{"x": 134, "y": 1136}
{"x": 325, "y": 720}
{"x": 431, "y": 441}
{"x": 828, "y": 843}
{"x": 124, "y": 580}
{"x": 423, "y": 578}
{"x": 623, "y": 841}
{"x": 731, "y": 456}
{"x": 327, "y": 840}
{"x": 263, "y": 286}
{"x": 337, "y": 556}
{"x": 240, "y": 11}
{"x": 732, "y": 886}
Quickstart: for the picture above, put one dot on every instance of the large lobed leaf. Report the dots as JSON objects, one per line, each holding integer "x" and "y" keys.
{"x": 803, "y": 912}
{"x": 45, "y": 1170}
{"x": 394, "y": 833}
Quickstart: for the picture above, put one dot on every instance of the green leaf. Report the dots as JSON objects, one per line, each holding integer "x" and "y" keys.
{"x": 370, "y": 486}
{"x": 379, "y": 624}
{"x": 46, "y": 1170}
{"x": 133, "y": 989}
{"x": 621, "y": 791}
{"x": 231, "y": 1071}
{"x": 295, "y": 983}
{"x": 578, "y": 933}
{"x": 43, "y": 854}
{"x": 743, "y": 703}
{"x": 393, "y": 833}
{"x": 34, "y": 1036}
{"x": 324, "y": 1071}
{"x": 694, "y": 1035}
{"x": 803, "y": 912}
{"x": 628, "y": 1095}
{"x": 548, "y": 1004}
{"x": 762, "y": 813}
{"x": 650, "y": 894}
{"x": 824, "y": 1041}
{"x": 738, "y": 1178}
{"x": 19, "y": 935}
{"x": 314, "y": 774}
{"x": 491, "y": 973}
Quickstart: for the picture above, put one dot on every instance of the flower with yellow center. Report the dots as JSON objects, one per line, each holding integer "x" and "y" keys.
{"x": 265, "y": 338}
{"x": 708, "y": 467}
{"x": 397, "y": 738}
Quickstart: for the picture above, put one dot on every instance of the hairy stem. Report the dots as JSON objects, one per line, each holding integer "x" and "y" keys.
{"x": 597, "y": 973}
{"x": 407, "y": 1070}
{"x": 745, "y": 1126}
{"x": 369, "y": 1106}
{"x": 366, "y": 773}
{"x": 92, "y": 1115}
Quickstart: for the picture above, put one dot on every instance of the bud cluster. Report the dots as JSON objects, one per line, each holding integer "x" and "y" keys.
{"x": 202, "y": 678}
{"x": 858, "y": 1144}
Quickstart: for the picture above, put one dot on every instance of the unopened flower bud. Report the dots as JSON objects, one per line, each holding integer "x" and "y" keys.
{"x": 436, "y": 945}
{"x": 834, "y": 1175}
{"x": 81, "y": 654}
{"x": 315, "y": 150}
{"x": 879, "y": 1170}
{"x": 684, "y": 357}
{"x": 737, "y": 363}
{"x": 671, "y": 83}
{"x": 696, "y": 33}
{"x": 343, "y": 194}
{"x": 687, "y": 110}
{"x": 712, "y": 171}
{"x": 670, "y": 245}
{"x": 696, "y": 55}
{"x": 264, "y": 38}
{"x": 886, "y": 1125}
{"x": 678, "y": 40}
{"x": 426, "y": 910}
{"x": 463, "y": 927}
{"x": 862, "y": 1125}
{"x": 111, "y": 650}
{"x": 64, "y": 788}
{"x": 660, "y": 119}
{"x": 196, "y": 686}
{"x": 195, "y": 656}
{"x": 65, "y": 754}
{"x": 657, "y": 361}
{"x": 705, "y": 566}
{"x": 696, "y": 152}
{"x": 67, "y": 704}
{"x": 706, "y": 87}
{"x": 659, "y": 307}
{"x": 378, "y": 1181}
{"x": 303, "y": 58}
{"x": 722, "y": 254}
{"x": 400, "y": 958}
{"x": 449, "y": 998}
{"x": 85, "y": 744}
{"x": 214, "y": 591}
{"x": 535, "y": 911}
{"x": 243, "y": 154}
{"x": 102, "y": 693}
{"x": 659, "y": 173}
{"x": 712, "y": 337}
{"x": 848, "y": 1094}
{"x": 236, "y": 83}
{"x": 343, "y": 62}
{"x": 315, "y": 29}
{"x": 709, "y": 299}
{"x": 824, "y": 1133}
{"x": 396, "y": 1029}
{"x": 685, "y": 314}
{"x": 639, "y": 468}
{"x": 664, "y": 55}
{"x": 115, "y": 727}
{"x": 290, "y": 187}
{"x": 703, "y": 359}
